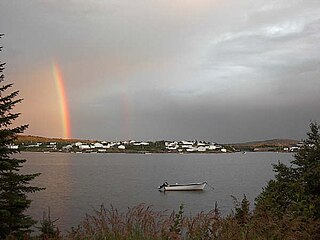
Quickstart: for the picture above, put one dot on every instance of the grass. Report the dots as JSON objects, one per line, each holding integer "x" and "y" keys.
{"x": 144, "y": 222}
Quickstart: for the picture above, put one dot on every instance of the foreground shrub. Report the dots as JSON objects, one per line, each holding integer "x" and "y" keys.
{"x": 143, "y": 222}
{"x": 140, "y": 222}
{"x": 48, "y": 228}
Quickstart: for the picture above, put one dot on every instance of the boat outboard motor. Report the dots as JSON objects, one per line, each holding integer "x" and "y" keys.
{"x": 163, "y": 185}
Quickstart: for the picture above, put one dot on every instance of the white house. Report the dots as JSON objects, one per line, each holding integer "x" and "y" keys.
{"x": 201, "y": 149}
{"x": 84, "y": 147}
{"x": 106, "y": 146}
{"x": 200, "y": 144}
{"x": 186, "y": 143}
{"x": 122, "y": 147}
{"x": 172, "y": 148}
{"x": 171, "y": 144}
{"x": 34, "y": 145}
{"x": 190, "y": 149}
{"x": 13, "y": 146}
{"x": 68, "y": 147}
{"x": 98, "y": 145}
{"x": 141, "y": 144}
{"x": 113, "y": 144}
{"x": 212, "y": 147}
{"x": 293, "y": 149}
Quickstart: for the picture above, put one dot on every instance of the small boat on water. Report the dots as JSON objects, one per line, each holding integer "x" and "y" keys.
{"x": 182, "y": 187}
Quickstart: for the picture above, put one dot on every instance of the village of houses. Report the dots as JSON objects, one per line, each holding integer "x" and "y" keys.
{"x": 124, "y": 146}
{"x": 132, "y": 146}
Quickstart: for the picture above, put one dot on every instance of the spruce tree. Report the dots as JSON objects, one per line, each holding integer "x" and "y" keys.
{"x": 14, "y": 186}
{"x": 296, "y": 188}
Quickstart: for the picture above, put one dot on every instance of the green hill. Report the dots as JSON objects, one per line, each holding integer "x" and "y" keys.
{"x": 265, "y": 145}
{"x": 34, "y": 139}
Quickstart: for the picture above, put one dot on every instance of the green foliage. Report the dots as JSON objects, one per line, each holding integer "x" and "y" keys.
{"x": 295, "y": 189}
{"x": 139, "y": 222}
{"x": 242, "y": 210}
{"x": 204, "y": 225}
{"x": 142, "y": 222}
{"x": 48, "y": 228}
{"x": 177, "y": 222}
{"x": 13, "y": 185}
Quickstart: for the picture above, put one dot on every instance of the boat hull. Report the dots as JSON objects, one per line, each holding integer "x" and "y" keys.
{"x": 185, "y": 187}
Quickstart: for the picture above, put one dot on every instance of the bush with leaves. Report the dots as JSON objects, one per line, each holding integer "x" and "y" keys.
{"x": 295, "y": 189}
{"x": 48, "y": 228}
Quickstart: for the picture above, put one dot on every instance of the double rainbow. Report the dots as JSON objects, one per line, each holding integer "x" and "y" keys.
{"x": 63, "y": 100}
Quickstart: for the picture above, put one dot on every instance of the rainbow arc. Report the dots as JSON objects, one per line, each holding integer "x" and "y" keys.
{"x": 63, "y": 100}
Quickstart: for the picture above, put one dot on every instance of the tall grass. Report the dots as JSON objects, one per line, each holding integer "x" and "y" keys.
{"x": 139, "y": 222}
{"x": 144, "y": 222}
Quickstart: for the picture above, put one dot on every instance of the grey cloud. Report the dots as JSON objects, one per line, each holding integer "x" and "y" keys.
{"x": 217, "y": 70}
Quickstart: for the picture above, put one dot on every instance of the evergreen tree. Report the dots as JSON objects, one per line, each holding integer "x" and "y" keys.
{"x": 14, "y": 186}
{"x": 296, "y": 188}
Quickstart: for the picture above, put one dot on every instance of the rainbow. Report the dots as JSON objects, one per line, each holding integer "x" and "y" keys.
{"x": 63, "y": 103}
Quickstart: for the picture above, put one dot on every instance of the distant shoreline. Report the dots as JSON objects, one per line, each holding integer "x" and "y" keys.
{"x": 27, "y": 143}
{"x": 148, "y": 153}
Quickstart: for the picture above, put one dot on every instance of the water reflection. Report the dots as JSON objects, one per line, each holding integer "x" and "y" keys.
{"x": 57, "y": 177}
{"x": 78, "y": 183}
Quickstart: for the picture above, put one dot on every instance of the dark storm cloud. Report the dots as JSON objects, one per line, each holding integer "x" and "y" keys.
{"x": 208, "y": 69}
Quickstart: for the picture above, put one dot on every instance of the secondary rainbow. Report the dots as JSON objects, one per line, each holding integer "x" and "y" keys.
{"x": 63, "y": 100}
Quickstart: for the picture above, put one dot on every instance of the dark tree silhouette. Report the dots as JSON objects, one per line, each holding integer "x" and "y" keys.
{"x": 14, "y": 186}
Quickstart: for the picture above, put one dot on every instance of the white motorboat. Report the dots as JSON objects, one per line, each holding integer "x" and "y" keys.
{"x": 182, "y": 187}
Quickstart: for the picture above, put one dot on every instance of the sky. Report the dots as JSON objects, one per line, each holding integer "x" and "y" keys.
{"x": 215, "y": 70}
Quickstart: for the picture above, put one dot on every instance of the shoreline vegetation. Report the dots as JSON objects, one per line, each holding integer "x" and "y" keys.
{"x": 143, "y": 222}
{"x": 42, "y": 144}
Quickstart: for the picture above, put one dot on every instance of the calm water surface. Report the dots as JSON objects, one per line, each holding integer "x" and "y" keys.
{"x": 77, "y": 183}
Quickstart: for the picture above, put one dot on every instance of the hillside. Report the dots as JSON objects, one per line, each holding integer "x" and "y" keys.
{"x": 35, "y": 139}
{"x": 272, "y": 142}
{"x": 265, "y": 145}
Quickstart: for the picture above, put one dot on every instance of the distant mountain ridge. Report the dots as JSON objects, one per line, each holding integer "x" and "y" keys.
{"x": 271, "y": 142}
{"x": 31, "y": 138}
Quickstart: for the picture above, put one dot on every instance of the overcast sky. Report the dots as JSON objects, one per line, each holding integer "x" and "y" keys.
{"x": 219, "y": 70}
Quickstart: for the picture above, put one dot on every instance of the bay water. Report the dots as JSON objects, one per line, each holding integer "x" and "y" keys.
{"x": 76, "y": 184}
